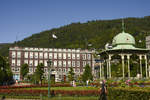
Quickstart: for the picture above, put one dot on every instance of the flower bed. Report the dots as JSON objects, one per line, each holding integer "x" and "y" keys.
{"x": 31, "y": 86}
{"x": 44, "y": 92}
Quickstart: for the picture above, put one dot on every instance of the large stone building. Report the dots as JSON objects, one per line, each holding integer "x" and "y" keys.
{"x": 62, "y": 60}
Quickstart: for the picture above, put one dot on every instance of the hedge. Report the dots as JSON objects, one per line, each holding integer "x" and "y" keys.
{"x": 128, "y": 94}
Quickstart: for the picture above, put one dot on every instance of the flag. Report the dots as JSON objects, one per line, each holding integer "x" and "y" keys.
{"x": 54, "y": 36}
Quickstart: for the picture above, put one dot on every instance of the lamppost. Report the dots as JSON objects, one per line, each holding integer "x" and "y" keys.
{"x": 49, "y": 62}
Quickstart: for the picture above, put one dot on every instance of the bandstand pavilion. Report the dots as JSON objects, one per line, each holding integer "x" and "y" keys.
{"x": 123, "y": 45}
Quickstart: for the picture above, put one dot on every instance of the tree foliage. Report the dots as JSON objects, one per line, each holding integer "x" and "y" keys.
{"x": 87, "y": 74}
{"x": 24, "y": 70}
{"x": 6, "y": 76}
{"x": 71, "y": 74}
{"x": 39, "y": 73}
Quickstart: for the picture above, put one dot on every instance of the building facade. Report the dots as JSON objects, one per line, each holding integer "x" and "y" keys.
{"x": 62, "y": 60}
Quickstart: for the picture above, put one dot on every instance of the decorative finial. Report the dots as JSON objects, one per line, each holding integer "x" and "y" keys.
{"x": 122, "y": 25}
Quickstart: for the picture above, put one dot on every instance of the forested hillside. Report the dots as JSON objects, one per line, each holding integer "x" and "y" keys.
{"x": 78, "y": 35}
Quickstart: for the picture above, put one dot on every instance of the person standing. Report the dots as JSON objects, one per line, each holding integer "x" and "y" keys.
{"x": 103, "y": 91}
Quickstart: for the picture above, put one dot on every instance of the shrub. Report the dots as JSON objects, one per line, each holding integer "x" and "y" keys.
{"x": 128, "y": 94}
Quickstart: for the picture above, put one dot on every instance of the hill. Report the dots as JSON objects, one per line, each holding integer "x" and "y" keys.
{"x": 78, "y": 35}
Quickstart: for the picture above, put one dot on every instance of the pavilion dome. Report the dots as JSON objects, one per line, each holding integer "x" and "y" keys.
{"x": 123, "y": 39}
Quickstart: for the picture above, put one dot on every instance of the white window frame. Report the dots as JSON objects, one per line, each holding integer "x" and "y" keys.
{"x": 73, "y": 56}
{"x": 50, "y": 55}
{"x": 73, "y": 63}
{"x": 13, "y": 54}
{"x": 18, "y": 54}
{"x": 36, "y": 55}
{"x": 26, "y": 54}
{"x": 45, "y": 55}
{"x": 69, "y": 55}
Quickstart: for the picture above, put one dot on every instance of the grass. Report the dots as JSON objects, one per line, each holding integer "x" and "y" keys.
{"x": 64, "y": 88}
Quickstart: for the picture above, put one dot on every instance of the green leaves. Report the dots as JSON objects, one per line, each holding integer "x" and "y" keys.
{"x": 87, "y": 74}
{"x": 24, "y": 70}
{"x": 71, "y": 74}
{"x": 5, "y": 72}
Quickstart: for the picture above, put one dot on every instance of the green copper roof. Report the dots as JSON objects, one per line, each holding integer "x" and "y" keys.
{"x": 123, "y": 39}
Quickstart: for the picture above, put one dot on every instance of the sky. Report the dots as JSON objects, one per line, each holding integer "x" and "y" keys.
{"x": 22, "y": 18}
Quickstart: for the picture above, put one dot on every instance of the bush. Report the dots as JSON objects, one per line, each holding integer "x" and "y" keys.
{"x": 128, "y": 94}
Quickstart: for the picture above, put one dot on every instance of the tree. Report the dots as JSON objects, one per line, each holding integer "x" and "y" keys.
{"x": 87, "y": 74}
{"x": 39, "y": 72}
{"x": 71, "y": 74}
{"x": 24, "y": 70}
{"x": 6, "y": 76}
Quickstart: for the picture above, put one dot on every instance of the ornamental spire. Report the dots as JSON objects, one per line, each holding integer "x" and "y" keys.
{"x": 122, "y": 25}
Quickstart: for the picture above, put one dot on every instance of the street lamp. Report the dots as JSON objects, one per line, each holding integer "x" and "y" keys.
{"x": 49, "y": 62}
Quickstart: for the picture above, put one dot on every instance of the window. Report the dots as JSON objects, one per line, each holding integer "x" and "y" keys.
{"x": 30, "y": 70}
{"x": 59, "y": 63}
{"x": 64, "y": 70}
{"x": 78, "y": 56}
{"x": 25, "y": 61}
{"x": 89, "y": 56}
{"x": 13, "y": 54}
{"x": 55, "y": 55}
{"x": 78, "y": 70}
{"x": 55, "y": 63}
{"x": 78, "y": 63}
{"x": 69, "y": 63}
{"x": 73, "y": 56}
{"x": 64, "y": 63}
{"x": 45, "y": 55}
{"x": 59, "y": 55}
{"x": 18, "y": 54}
{"x": 64, "y": 56}
{"x": 13, "y": 62}
{"x": 34, "y": 69}
{"x": 35, "y": 62}
{"x": 84, "y": 56}
{"x": 13, "y": 69}
{"x": 69, "y": 56}
{"x": 41, "y": 55}
{"x": 31, "y": 54}
{"x": 26, "y": 55}
{"x": 59, "y": 69}
{"x": 36, "y": 55}
{"x": 89, "y": 63}
{"x": 18, "y": 62}
{"x": 45, "y": 62}
{"x": 50, "y": 56}
{"x": 17, "y": 69}
{"x": 41, "y": 61}
{"x": 31, "y": 63}
{"x": 84, "y": 63}
{"x": 73, "y": 64}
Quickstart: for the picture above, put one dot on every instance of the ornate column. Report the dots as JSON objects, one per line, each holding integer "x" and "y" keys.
{"x": 122, "y": 58}
{"x": 109, "y": 60}
{"x": 145, "y": 56}
{"x": 140, "y": 57}
{"x": 128, "y": 58}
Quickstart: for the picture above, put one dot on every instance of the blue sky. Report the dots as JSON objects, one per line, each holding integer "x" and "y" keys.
{"x": 22, "y": 18}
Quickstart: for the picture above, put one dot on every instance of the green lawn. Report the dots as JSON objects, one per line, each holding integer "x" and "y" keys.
{"x": 64, "y": 88}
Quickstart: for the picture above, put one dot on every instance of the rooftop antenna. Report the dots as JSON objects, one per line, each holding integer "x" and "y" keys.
{"x": 122, "y": 25}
